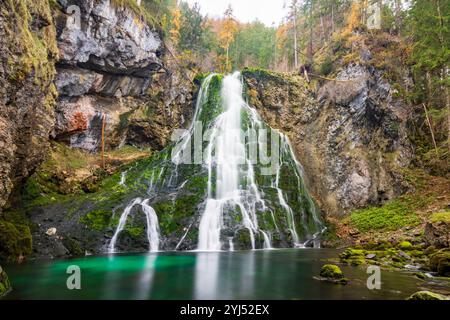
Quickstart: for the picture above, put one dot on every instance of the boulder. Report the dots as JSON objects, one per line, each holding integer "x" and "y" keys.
{"x": 331, "y": 271}
{"x": 427, "y": 295}
{"x": 437, "y": 234}
{"x": 440, "y": 263}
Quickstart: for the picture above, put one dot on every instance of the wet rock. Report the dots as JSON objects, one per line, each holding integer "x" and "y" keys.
{"x": 332, "y": 273}
{"x": 427, "y": 295}
{"x": 440, "y": 263}
{"x": 354, "y": 257}
{"x": 371, "y": 256}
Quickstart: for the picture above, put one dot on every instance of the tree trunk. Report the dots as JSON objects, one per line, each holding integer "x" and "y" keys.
{"x": 103, "y": 140}
{"x": 310, "y": 47}
{"x": 323, "y": 29}
{"x": 431, "y": 130}
{"x": 295, "y": 41}
{"x": 332, "y": 19}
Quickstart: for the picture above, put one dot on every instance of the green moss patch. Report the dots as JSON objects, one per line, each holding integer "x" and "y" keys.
{"x": 440, "y": 217}
{"x": 390, "y": 217}
{"x": 97, "y": 219}
{"x": 15, "y": 240}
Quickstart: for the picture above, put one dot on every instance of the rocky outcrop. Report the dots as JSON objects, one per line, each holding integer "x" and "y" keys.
{"x": 5, "y": 286}
{"x": 437, "y": 234}
{"x": 111, "y": 69}
{"x": 349, "y": 134}
{"x": 27, "y": 95}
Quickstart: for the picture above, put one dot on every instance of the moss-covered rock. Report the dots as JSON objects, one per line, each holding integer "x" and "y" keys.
{"x": 405, "y": 245}
{"x": 5, "y": 285}
{"x": 331, "y": 271}
{"x": 15, "y": 240}
{"x": 427, "y": 295}
{"x": 440, "y": 263}
{"x": 354, "y": 257}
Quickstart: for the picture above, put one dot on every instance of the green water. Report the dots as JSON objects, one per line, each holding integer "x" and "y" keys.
{"x": 273, "y": 274}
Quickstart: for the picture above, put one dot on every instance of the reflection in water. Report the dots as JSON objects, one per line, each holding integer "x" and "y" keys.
{"x": 259, "y": 274}
{"x": 144, "y": 286}
{"x": 206, "y": 275}
{"x": 111, "y": 280}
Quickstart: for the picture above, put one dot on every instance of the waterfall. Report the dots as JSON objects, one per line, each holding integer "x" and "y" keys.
{"x": 152, "y": 226}
{"x": 122, "y": 223}
{"x": 151, "y": 221}
{"x": 223, "y": 197}
{"x": 232, "y": 181}
{"x": 225, "y": 153}
{"x": 123, "y": 177}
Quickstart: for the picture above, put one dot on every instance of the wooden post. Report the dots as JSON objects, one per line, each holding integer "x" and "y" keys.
{"x": 431, "y": 129}
{"x": 103, "y": 140}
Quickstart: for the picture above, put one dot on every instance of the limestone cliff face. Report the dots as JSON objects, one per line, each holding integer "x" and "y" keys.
{"x": 27, "y": 95}
{"x": 349, "y": 134}
{"x": 110, "y": 66}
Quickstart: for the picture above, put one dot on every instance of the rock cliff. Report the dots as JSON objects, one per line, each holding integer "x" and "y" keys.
{"x": 349, "y": 134}
{"x": 28, "y": 54}
{"x": 111, "y": 69}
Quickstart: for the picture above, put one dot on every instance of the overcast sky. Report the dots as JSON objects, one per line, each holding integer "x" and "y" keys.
{"x": 267, "y": 11}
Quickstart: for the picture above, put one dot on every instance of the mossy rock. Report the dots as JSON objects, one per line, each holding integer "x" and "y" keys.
{"x": 405, "y": 245}
{"x": 15, "y": 240}
{"x": 5, "y": 285}
{"x": 354, "y": 257}
{"x": 97, "y": 220}
{"x": 427, "y": 295}
{"x": 440, "y": 263}
{"x": 73, "y": 247}
{"x": 331, "y": 271}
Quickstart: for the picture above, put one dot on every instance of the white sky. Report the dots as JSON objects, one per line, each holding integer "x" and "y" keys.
{"x": 267, "y": 11}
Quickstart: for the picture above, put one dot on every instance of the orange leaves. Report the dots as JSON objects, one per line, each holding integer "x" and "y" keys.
{"x": 176, "y": 26}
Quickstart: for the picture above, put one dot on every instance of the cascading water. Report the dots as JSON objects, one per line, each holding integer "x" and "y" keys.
{"x": 222, "y": 197}
{"x": 152, "y": 226}
{"x": 151, "y": 221}
{"x": 231, "y": 172}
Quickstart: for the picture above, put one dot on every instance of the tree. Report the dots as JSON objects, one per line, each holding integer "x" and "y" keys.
{"x": 176, "y": 26}
{"x": 428, "y": 25}
{"x": 227, "y": 33}
{"x": 293, "y": 16}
